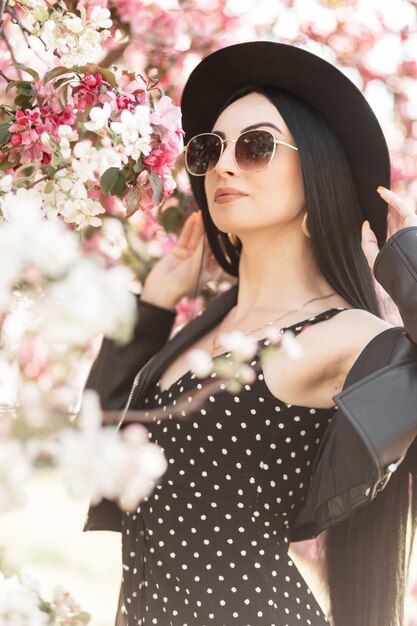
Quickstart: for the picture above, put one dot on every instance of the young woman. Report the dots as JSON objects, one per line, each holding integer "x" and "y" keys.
{"x": 285, "y": 157}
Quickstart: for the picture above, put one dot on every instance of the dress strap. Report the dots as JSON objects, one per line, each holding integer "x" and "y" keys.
{"x": 320, "y": 317}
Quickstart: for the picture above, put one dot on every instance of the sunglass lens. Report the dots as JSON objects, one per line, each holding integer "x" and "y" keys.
{"x": 254, "y": 150}
{"x": 202, "y": 154}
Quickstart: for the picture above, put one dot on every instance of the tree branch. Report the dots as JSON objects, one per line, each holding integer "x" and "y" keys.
{"x": 5, "y": 77}
{"x": 113, "y": 55}
{"x": 10, "y": 49}
{"x": 3, "y": 8}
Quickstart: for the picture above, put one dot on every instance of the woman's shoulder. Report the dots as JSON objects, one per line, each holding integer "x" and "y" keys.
{"x": 352, "y": 331}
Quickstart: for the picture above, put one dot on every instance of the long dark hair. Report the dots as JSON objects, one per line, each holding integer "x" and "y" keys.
{"x": 366, "y": 557}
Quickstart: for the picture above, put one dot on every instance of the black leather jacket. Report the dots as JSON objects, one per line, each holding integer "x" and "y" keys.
{"x": 374, "y": 428}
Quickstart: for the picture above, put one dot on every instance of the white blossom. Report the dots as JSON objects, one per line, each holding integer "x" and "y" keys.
{"x": 29, "y": 239}
{"x": 90, "y": 300}
{"x": 100, "y": 18}
{"x": 19, "y": 604}
{"x": 242, "y": 346}
{"x": 98, "y": 462}
{"x": 108, "y": 157}
{"x": 201, "y": 362}
{"x": 246, "y": 374}
{"x": 73, "y": 23}
{"x": 290, "y": 345}
{"x": 18, "y": 202}
{"x": 14, "y": 474}
{"x": 88, "y": 216}
{"x": 135, "y": 131}
{"x": 75, "y": 38}
{"x": 67, "y": 131}
{"x": 84, "y": 163}
{"x": 99, "y": 116}
{"x": 6, "y": 183}
{"x": 52, "y": 248}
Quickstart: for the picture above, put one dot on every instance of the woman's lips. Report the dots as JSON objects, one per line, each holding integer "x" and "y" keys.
{"x": 229, "y": 198}
{"x": 224, "y": 195}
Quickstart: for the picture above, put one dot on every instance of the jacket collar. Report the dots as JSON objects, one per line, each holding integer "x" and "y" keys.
{"x": 184, "y": 339}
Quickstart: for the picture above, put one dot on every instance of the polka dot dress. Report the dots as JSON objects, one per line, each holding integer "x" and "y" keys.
{"x": 209, "y": 546}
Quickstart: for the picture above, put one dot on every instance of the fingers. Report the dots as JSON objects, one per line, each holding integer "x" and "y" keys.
{"x": 197, "y": 231}
{"x": 369, "y": 244}
{"x": 191, "y": 231}
{"x": 395, "y": 202}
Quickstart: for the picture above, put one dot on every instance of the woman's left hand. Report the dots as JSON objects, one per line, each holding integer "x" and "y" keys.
{"x": 399, "y": 216}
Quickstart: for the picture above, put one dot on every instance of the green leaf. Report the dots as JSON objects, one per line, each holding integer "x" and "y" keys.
{"x": 170, "y": 219}
{"x": 5, "y": 164}
{"x": 138, "y": 167}
{"x": 28, "y": 70}
{"x": 50, "y": 170}
{"x": 49, "y": 187}
{"x": 157, "y": 188}
{"x": 132, "y": 200}
{"x": 23, "y": 102}
{"x": 61, "y": 81}
{"x": 21, "y": 85}
{"x": 120, "y": 186}
{"x": 113, "y": 181}
{"x": 26, "y": 89}
{"x": 57, "y": 71}
{"x": 64, "y": 94}
{"x": 129, "y": 175}
{"x": 108, "y": 179}
{"x": 83, "y": 617}
{"x": 4, "y": 133}
{"x": 92, "y": 68}
{"x": 40, "y": 13}
{"x": 26, "y": 167}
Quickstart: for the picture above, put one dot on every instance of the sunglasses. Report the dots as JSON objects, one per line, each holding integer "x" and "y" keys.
{"x": 254, "y": 151}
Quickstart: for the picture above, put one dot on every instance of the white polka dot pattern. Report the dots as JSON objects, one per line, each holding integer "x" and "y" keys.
{"x": 209, "y": 546}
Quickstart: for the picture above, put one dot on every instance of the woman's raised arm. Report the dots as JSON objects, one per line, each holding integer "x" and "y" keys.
{"x": 395, "y": 265}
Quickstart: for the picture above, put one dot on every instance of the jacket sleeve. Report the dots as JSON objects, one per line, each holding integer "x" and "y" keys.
{"x": 396, "y": 270}
{"x": 112, "y": 377}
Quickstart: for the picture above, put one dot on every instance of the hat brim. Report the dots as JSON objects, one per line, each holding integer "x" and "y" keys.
{"x": 310, "y": 78}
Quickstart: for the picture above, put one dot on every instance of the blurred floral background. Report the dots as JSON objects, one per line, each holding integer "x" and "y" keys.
{"x": 92, "y": 193}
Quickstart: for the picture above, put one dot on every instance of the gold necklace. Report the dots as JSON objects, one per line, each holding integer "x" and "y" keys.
{"x": 214, "y": 347}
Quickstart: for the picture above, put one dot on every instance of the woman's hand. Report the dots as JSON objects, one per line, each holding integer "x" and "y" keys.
{"x": 399, "y": 216}
{"x": 175, "y": 274}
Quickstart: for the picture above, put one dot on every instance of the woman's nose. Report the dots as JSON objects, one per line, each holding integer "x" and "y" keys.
{"x": 226, "y": 163}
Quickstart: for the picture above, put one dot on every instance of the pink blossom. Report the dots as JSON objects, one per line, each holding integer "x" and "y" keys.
{"x": 112, "y": 204}
{"x": 148, "y": 227}
{"x": 124, "y": 102}
{"x": 89, "y": 91}
{"x": 146, "y": 199}
{"x": 95, "y": 245}
{"x": 159, "y": 160}
{"x": 89, "y": 5}
{"x": 25, "y": 140}
{"x": 91, "y": 81}
{"x": 166, "y": 114}
{"x": 16, "y": 140}
{"x": 129, "y": 10}
{"x": 187, "y": 308}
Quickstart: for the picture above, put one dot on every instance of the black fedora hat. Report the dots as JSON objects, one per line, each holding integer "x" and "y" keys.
{"x": 310, "y": 78}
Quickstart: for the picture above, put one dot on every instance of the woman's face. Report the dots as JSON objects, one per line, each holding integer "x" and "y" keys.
{"x": 241, "y": 202}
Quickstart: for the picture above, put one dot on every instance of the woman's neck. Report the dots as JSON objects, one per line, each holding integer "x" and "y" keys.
{"x": 277, "y": 275}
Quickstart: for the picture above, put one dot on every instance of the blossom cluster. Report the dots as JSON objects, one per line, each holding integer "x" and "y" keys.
{"x": 239, "y": 348}
{"x": 80, "y": 296}
{"x": 76, "y": 39}
{"x": 101, "y": 463}
{"x": 21, "y": 604}
{"x": 81, "y": 135}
